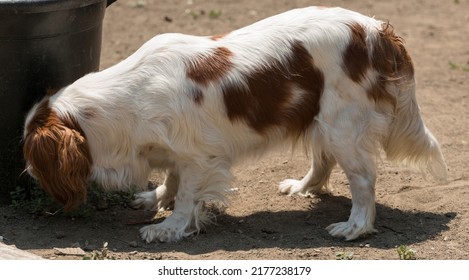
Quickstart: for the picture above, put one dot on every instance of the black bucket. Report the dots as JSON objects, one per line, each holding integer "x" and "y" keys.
{"x": 44, "y": 45}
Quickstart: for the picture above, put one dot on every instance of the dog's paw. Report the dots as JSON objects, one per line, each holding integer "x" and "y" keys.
{"x": 350, "y": 230}
{"x": 157, "y": 199}
{"x": 164, "y": 232}
{"x": 291, "y": 187}
{"x": 145, "y": 201}
{"x": 297, "y": 187}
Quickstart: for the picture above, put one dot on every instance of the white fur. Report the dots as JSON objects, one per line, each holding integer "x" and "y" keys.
{"x": 144, "y": 120}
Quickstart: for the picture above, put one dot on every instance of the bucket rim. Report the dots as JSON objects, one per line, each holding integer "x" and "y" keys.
{"x": 42, "y": 6}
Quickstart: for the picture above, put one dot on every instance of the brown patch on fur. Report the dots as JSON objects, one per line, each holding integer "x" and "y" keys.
{"x": 390, "y": 56}
{"x": 267, "y": 99}
{"x": 391, "y": 60}
{"x": 206, "y": 68}
{"x": 356, "y": 59}
{"x": 218, "y": 36}
{"x": 58, "y": 156}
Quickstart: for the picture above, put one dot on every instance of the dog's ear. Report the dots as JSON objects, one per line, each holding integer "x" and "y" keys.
{"x": 58, "y": 157}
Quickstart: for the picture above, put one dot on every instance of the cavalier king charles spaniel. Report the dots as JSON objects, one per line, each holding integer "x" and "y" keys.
{"x": 336, "y": 82}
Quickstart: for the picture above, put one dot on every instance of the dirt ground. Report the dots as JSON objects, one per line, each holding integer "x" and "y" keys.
{"x": 430, "y": 218}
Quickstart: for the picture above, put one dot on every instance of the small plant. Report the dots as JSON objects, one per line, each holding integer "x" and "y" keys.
{"x": 101, "y": 254}
{"x": 461, "y": 67}
{"x": 344, "y": 256}
{"x": 140, "y": 4}
{"x": 97, "y": 194}
{"x": 33, "y": 200}
{"x": 213, "y": 14}
{"x": 405, "y": 253}
{"x": 18, "y": 197}
{"x": 36, "y": 201}
{"x": 194, "y": 14}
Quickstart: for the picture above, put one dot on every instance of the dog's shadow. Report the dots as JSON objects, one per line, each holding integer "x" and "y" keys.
{"x": 306, "y": 229}
{"x": 283, "y": 230}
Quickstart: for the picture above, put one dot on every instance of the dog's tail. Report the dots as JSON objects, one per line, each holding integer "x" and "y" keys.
{"x": 408, "y": 139}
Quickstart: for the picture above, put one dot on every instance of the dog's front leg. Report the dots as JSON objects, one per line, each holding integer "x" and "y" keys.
{"x": 161, "y": 198}
{"x": 181, "y": 222}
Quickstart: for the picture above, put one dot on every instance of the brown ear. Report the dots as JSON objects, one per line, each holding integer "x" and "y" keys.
{"x": 58, "y": 156}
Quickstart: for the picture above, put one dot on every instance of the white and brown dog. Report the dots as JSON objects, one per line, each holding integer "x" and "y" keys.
{"x": 334, "y": 81}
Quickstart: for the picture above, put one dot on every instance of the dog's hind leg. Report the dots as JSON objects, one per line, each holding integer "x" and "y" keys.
{"x": 356, "y": 157}
{"x": 315, "y": 181}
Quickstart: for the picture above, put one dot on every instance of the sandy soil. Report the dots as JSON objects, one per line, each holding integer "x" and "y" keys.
{"x": 430, "y": 218}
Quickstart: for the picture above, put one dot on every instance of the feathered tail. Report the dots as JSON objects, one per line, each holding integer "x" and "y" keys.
{"x": 408, "y": 139}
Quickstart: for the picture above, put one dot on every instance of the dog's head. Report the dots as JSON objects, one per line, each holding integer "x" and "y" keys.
{"x": 57, "y": 154}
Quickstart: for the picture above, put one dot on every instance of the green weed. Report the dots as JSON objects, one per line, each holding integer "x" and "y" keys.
{"x": 32, "y": 200}
{"x": 36, "y": 201}
{"x": 460, "y": 67}
{"x": 344, "y": 256}
{"x": 102, "y": 254}
{"x": 405, "y": 253}
{"x": 139, "y": 4}
{"x": 213, "y": 14}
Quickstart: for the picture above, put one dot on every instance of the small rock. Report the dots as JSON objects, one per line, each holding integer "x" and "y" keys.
{"x": 69, "y": 251}
{"x": 133, "y": 244}
{"x": 168, "y": 19}
{"x": 252, "y": 13}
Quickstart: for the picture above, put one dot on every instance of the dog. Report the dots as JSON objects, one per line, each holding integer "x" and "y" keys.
{"x": 338, "y": 83}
